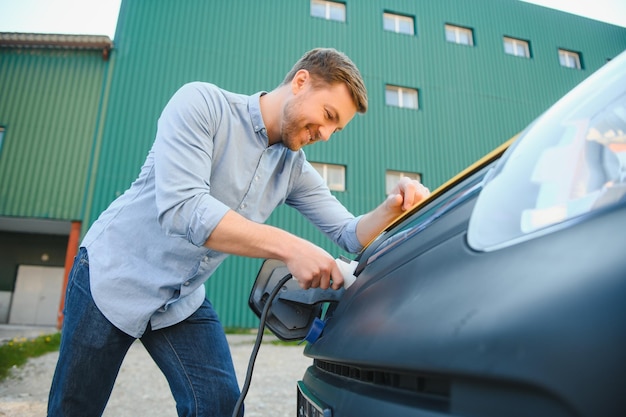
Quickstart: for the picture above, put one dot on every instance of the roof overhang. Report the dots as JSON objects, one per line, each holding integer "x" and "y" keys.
{"x": 55, "y": 41}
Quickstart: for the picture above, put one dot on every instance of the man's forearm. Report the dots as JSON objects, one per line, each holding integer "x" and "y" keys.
{"x": 237, "y": 235}
{"x": 309, "y": 264}
{"x": 374, "y": 222}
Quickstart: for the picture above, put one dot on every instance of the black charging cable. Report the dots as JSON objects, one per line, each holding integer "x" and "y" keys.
{"x": 257, "y": 345}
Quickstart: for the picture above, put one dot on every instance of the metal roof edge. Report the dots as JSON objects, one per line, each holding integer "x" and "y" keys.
{"x": 56, "y": 41}
{"x": 50, "y": 40}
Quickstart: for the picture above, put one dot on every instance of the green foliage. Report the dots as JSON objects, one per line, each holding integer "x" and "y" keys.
{"x": 16, "y": 352}
{"x": 238, "y": 330}
{"x": 278, "y": 342}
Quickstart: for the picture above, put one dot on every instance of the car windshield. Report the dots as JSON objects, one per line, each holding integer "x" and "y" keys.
{"x": 570, "y": 162}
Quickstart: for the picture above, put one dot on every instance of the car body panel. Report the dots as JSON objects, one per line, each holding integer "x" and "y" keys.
{"x": 473, "y": 318}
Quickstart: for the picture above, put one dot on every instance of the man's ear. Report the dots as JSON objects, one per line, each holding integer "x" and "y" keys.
{"x": 299, "y": 80}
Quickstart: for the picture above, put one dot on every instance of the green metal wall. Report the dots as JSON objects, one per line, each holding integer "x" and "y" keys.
{"x": 49, "y": 105}
{"x": 471, "y": 98}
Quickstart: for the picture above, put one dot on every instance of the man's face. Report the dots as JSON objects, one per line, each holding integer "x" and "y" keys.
{"x": 313, "y": 114}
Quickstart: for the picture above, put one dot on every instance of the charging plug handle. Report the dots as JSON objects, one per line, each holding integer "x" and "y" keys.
{"x": 311, "y": 296}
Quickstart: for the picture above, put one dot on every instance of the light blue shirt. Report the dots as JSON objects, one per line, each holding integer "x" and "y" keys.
{"x": 147, "y": 261}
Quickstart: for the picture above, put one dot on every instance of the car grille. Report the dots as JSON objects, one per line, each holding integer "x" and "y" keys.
{"x": 433, "y": 387}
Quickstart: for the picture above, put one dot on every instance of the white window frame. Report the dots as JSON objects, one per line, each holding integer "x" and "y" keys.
{"x": 569, "y": 59}
{"x": 407, "y": 98}
{"x": 333, "y": 10}
{"x": 333, "y": 174}
{"x": 392, "y": 177}
{"x": 514, "y": 45}
{"x": 459, "y": 35}
{"x": 392, "y": 22}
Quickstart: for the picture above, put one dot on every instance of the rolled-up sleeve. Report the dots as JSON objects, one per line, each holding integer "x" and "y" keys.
{"x": 311, "y": 197}
{"x": 183, "y": 152}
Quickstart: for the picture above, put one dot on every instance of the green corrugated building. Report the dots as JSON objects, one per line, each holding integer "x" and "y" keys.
{"x": 448, "y": 80}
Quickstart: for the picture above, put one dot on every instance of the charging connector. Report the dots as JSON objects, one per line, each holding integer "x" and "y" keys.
{"x": 347, "y": 267}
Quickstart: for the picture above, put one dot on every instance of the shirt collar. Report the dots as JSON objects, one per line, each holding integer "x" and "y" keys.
{"x": 254, "y": 107}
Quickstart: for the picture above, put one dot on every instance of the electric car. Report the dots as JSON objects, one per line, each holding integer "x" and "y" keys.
{"x": 503, "y": 294}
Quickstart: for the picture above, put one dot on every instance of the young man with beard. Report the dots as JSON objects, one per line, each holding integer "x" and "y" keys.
{"x": 220, "y": 163}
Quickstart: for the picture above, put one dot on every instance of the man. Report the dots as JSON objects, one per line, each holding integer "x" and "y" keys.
{"x": 220, "y": 163}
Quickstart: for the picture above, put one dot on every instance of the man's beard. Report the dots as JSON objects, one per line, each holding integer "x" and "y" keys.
{"x": 291, "y": 128}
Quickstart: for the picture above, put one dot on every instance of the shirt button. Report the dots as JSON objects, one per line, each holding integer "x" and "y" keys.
{"x": 243, "y": 206}
{"x": 186, "y": 284}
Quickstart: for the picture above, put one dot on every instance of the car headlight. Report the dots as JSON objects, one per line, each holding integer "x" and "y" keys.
{"x": 569, "y": 163}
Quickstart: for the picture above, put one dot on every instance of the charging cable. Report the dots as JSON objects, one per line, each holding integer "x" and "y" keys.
{"x": 237, "y": 412}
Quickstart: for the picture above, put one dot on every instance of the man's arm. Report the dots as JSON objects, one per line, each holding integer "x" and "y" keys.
{"x": 405, "y": 195}
{"x": 311, "y": 265}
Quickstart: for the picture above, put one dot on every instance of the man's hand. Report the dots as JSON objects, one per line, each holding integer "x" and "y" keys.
{"x": 406, "y": 194}
{"x": 313, "y": 267}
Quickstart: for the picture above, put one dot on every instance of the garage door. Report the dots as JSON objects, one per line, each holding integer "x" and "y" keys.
{"x": 37, "y": 295}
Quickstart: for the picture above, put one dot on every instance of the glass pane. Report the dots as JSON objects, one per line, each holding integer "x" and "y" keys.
{"x": 405, "y": 25}
{"x": 392, "y": 98}
{"x": 391, "y": 179}
{"x": 569, "y": 59}
{"x": 450, "y": 34}
{"x": 509, "y": 47}
{"x": 459, "y": 35}
{"x": 389, "y": 22}
{"x": 464, "y": 37}
{"x": 409, "y": 99}
{"x": 336, "y": 178}
{"x": 318, "y": 9}
{"x": 337, "y": 11}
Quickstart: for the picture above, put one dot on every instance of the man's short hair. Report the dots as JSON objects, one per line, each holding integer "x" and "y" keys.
{"x": 329, "y": 66}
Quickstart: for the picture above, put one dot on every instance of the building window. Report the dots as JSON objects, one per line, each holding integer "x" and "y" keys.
{"x": 329, "y": 10}
{"x": 460, "y": 35}
{"x": 516, "y": 47}
{"x": 334, "y": 175}
{"x": 392, "y": 178}
{"x": 398, "y": 23}
{"x": 569, "y": 59}
{"x": 1, "y": 137}
{"x": 401, "y": 97}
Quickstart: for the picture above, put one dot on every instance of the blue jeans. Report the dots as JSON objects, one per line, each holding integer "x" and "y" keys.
{"x": 193, "y": 355}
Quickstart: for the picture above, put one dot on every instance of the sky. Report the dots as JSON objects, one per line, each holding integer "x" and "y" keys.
{"x": 99, "y": 17}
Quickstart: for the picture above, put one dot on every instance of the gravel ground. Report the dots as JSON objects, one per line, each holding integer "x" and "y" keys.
{"x": 141, "y": 389}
